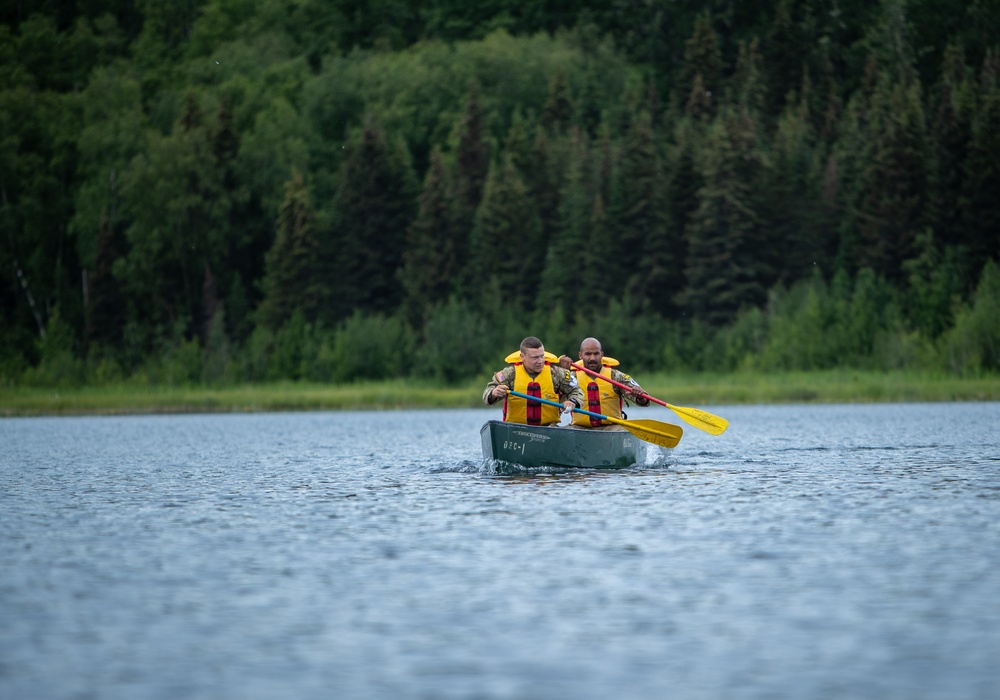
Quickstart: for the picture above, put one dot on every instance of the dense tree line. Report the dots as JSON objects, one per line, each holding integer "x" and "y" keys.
{"x": 224, "y": 190}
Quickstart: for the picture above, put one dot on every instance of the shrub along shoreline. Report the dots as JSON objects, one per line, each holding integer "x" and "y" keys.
{"x": 841, "y": 386}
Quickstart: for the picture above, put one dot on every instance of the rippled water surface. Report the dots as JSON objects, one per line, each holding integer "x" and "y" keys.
{"x": 809, "y": 552}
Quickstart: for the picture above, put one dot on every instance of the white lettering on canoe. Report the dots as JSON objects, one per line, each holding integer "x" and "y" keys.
{"x": 532, "y": 437}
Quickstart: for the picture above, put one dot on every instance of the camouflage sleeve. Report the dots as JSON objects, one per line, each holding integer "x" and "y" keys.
{"x": 504, "y": 376}
{"x": 623, "y": 378}
{"x": 565, "y": 383}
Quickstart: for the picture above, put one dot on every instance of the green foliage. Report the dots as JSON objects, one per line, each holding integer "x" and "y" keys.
{"x": 58, "y": 365}
{"x": 433, "y": 257}
{"x": 508, "y": 247}
{"x": 372, "y": 207}
{"x": 222, "y": 190}
{"x": 217, "y": 360}
{"x": 980, "y": 208}
{"x": 454, "y": 345}
{"x": 894, "y": 181}
{"x": 371, "y": 347}
{"x": 178, "y": 362}
{"x": 626, "y": 332}
{"x": 567, "y": 257}
{"x": 292, "y": 280}
{"x": 178, "y": 206}
{"x": 103, "y": 368}
{"x": 739, "y": 345}
{"x": 973, "y": 345}
{"x": 699, "y": 78}
{"x": 727, "y": 263}
{"x": 934, "y": 288}
{"x": 286, "y": 359}
{"x": 647, "y": 266}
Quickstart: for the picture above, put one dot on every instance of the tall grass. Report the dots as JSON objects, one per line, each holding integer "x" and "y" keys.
{"x": 691, "y": 389}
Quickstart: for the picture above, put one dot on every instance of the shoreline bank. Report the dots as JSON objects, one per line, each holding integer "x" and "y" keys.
{"x": 687, "y": 389}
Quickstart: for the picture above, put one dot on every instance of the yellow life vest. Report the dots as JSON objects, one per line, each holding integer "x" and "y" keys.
{"x": 600, "y": 396}
{"x": 518, "y": 410}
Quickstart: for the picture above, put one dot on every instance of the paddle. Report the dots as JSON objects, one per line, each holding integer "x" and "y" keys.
{"x": 704, "y": 420}
{"x": 662, "y": 434}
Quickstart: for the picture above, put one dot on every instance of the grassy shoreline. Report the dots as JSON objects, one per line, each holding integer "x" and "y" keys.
{"x": 842, "y": 386}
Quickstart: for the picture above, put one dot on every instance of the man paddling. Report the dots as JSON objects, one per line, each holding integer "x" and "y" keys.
{"x": 602, "y": 396}
{"x": 535, "y": 373}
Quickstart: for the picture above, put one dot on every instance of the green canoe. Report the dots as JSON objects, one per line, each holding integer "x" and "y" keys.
{"x": 555, "y": 446}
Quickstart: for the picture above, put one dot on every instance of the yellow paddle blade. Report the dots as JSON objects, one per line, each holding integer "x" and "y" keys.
{"x": 714, "y": 425}
{"x": 662, "y": 434}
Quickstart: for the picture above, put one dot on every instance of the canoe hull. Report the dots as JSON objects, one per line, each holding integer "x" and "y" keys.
{"x": 553, "y": 446}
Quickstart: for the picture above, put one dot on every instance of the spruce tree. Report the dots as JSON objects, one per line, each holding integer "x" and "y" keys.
{"x": 783, "y": 56}
{"x": 645, "y": 263}
{"x": 292, "y": 266}
{"x": 683, "y": 183}
{"x": 472, "y": 163}
{"x": 373, "y": 205}
{"x": 894, "y": 180}
{"x": 558, "y": 109}
{"x": 699, "y": 78}
{"x": 725, "y": 268}
{"x": 508, "y": 248}
{"x": 430, "y": 258}
{"x": 979, "y": 202}
{"x": 950, "y": 140}
{"x": 562, "y": 272}
{"x": 800, "y": 238}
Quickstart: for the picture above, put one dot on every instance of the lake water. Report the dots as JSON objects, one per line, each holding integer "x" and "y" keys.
{"x": 809, "y": 552}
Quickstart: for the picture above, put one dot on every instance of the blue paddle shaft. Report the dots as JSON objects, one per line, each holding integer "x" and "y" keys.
{"x": 553, "y": 403}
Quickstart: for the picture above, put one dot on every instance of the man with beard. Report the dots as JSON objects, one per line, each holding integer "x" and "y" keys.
{"x": 602, "y": 396}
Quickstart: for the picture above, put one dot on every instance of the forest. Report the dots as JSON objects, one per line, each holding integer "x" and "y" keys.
{"x": 228, "y": 191}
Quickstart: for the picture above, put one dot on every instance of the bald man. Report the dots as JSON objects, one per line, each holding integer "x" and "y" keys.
{"x": 602, "y": 396}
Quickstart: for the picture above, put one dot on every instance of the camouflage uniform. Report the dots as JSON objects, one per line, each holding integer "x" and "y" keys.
{"x": 623, "y": 378}
{"x": 563, "y": 380}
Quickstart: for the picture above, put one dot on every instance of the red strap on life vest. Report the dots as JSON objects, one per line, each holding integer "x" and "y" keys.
{"x": 534, "y": 413}
{"x": 594, "y": 403}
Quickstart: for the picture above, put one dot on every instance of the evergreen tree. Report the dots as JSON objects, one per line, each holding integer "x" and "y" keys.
{"x": 894, "y": 181}
{"x": 594, "y": 252}
{"x": 800, "y": 237}
{"x": 644, "y": 263}
{"x": 784, "y": 56}
{"x": 558, "y": 109}
{"x": 934, "y": 286}
{"x": 373, "y": 205}
{"x": 544, "y": 180}
{"x": 950, "y": 138}
{"x": 472, "y": 163}
{"x": 292, "y": 281}
{"x": 747, "y": 83}
{"x": 844, "y": 186}
{"x": 518, "y": 144}
{"x": 700, "y": 75}
{"x": 683, "y": 184}
{"x": 725, "y": 271}
{"x": 430, "y": 260}
{"x": 562, "y": 271}
{"x": 979, "y": 202}
{"x": 508, "y": 248}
